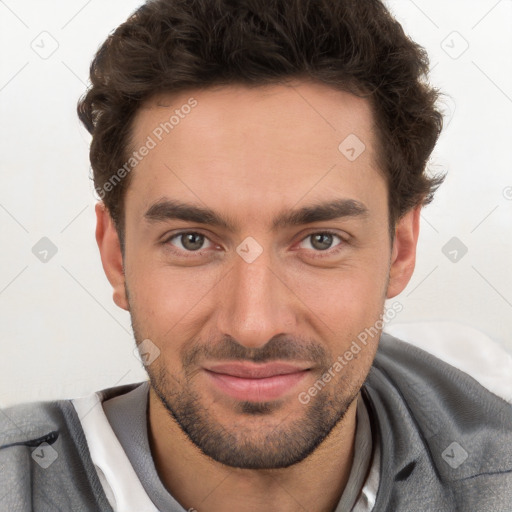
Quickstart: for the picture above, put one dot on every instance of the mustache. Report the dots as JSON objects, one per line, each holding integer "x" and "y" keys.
{"x": 280, "y": 347}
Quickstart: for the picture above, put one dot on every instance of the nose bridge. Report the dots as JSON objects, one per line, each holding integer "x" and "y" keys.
{"x": 255, "y": 305}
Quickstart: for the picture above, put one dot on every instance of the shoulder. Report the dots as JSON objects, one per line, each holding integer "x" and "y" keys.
{"x": 25, "y": 424}
{"x": 444, "y": 431}
{"x": 460, "y": 346}
{"x": 30, "y": 447}
{"x": 45, "y": 460}
{"x": 440, "y": 394}
{"x": 30, "y": 424}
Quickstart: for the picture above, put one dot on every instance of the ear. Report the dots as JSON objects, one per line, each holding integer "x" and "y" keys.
{"x": 111, "y": 256}
{"x": 403, "y": 255}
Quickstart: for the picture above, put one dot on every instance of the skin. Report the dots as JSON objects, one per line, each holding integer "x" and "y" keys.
{"x": 250, "y": 154}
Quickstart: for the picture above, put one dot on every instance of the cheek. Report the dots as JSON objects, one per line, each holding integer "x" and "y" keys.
{"x": 351, "y": 311}
{"x": 354, "y": 290}
{"x": 162, "y": 296}
{"x": 344, "y": 304}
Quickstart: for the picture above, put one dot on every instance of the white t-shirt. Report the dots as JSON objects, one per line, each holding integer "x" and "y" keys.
{"x": 116, "y": 432}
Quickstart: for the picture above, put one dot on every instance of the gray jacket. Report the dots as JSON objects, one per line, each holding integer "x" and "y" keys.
{"x": 446, "y": 443}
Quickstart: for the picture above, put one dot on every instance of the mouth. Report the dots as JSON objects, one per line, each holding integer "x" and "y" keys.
{"x": 255, "y": 382}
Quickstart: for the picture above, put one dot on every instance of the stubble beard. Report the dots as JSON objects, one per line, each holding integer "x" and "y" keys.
{"x": 271, "y": 446}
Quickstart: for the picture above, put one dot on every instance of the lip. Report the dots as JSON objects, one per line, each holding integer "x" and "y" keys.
{"x": 255, "y": 382}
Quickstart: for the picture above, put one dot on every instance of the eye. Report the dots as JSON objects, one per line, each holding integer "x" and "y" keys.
{"x": 321, "y": 241}
{"x": 190, "y": 241}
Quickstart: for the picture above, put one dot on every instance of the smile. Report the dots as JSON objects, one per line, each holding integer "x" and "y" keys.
{"x": 256, "y": 383}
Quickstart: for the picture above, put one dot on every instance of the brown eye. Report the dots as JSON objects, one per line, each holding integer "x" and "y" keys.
{"x": 321, "y": 241}
{"x": 188, "y": 241}
{"x": 324, "y": 244}
{"x": 192, "y": 241}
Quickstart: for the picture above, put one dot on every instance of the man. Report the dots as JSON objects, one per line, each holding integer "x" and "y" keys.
{"x": 261, "y": 170}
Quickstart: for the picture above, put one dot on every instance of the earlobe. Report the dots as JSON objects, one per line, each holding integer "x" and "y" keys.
{"x": 110, "y": 252}
{"x": 403, "y": 255}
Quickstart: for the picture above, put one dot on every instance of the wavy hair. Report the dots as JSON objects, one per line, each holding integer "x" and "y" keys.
{"x": 351, "y": 45}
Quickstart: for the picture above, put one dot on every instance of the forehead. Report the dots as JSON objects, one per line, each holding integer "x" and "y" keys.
{"x": 254, "y": 145}
{"x": 299, "y": 109}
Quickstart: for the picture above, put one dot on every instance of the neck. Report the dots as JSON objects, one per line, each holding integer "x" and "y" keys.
{"x": 198, "y": 482}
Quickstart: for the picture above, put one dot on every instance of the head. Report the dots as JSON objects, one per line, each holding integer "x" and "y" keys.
{"x": 262, "y": 167}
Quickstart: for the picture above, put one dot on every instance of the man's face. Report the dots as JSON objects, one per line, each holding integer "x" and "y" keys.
{"x": 221, "y": 299}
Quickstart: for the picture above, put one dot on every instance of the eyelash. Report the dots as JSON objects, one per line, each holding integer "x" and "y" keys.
{"x": 316, "y": 253}
{"x": 327, "y": 252}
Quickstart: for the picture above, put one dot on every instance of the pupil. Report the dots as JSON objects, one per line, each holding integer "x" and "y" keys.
{"x": 195, "y": 239}
{"x": 324, "y": 239}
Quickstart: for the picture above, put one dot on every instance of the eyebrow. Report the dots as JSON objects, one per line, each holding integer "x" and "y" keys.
{"x": 167, "y": 209}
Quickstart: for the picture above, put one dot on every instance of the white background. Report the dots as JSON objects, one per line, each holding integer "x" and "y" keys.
{"x": 60, "y": 333}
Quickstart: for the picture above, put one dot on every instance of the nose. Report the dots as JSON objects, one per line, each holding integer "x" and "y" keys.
{"x": 255, "y": 302}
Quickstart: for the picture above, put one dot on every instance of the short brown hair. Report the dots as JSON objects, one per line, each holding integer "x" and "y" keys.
{"x": 352, "y": 45}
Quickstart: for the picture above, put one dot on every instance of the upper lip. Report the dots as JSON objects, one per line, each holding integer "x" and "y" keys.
{"x": 253, "y": 370}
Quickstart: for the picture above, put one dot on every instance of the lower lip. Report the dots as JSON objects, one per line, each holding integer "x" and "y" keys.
{"x": 256, "y": 390}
